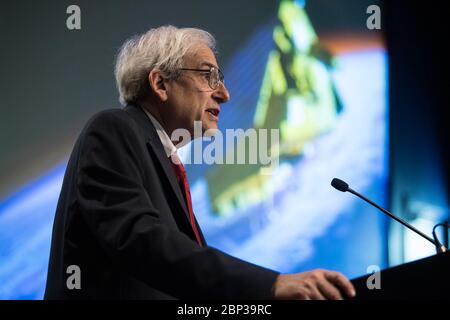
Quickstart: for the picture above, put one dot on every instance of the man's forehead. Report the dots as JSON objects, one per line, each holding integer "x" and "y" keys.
{"x": 202, "y": 57}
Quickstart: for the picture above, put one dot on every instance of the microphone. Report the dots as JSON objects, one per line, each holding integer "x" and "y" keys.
{"x": 343, "y": 187}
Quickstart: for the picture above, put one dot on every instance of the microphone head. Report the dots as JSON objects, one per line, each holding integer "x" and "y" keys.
{"x": 339, "y": 184}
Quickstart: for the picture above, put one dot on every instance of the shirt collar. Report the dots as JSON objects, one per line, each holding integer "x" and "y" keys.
{"x": 168, "y": 145}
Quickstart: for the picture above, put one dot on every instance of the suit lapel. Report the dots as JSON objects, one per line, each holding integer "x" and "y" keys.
{"x": 154, "y": 141}
{"x": 170, "y": 174}
{"x": 156, "y": 146}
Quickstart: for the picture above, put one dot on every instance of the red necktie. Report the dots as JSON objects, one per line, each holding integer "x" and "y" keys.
{"x": 183, "y": 181}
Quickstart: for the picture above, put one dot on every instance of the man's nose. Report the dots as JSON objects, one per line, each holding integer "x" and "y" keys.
{"x": 221, "y": 93}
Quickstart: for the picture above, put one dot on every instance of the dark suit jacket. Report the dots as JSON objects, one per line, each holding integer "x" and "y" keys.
{"x": 121, "y": 217}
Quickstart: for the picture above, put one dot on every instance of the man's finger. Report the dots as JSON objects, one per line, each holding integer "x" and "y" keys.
{"x": 342, "y": 282}
{"x": 315, "y": 294}
{"x": 329, "y": 290}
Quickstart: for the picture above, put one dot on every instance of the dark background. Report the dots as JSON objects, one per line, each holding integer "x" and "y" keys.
{"x": 417, "y": 33}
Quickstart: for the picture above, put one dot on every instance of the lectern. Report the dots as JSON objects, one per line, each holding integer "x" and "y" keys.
{"x": 428, "y": 278}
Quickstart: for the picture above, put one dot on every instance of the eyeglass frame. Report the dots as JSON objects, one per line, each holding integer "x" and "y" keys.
{"x": 210, "y": 70}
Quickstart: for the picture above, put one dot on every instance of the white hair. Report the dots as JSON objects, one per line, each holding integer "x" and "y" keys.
{"x": 161, "y": 48}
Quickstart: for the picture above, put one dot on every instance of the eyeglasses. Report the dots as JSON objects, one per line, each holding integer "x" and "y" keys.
{"x": 215, "y": 76}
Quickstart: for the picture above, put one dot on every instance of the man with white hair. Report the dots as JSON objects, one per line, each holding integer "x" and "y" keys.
{"x": 124, "y": 217}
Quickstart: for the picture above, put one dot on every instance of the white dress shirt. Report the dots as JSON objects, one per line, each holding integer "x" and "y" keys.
{"x": 168, "y": 145}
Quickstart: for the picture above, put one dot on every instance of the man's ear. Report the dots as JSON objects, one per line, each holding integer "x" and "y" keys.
{"x": 157, "y": 84}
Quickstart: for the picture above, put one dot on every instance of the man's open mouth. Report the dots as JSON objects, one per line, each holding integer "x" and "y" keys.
{"x": 214, "y": 112}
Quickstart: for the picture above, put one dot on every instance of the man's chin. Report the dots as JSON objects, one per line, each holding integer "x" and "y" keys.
{"x": 205, "y": 129}
{"x": 210, "y": 132}
{"x": 209, "y": 128}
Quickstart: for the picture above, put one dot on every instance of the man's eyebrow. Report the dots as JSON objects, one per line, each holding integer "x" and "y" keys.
{"x": 209, "y": 65}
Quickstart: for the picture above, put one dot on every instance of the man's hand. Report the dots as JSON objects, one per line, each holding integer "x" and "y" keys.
{"x": 313, "y": 285}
